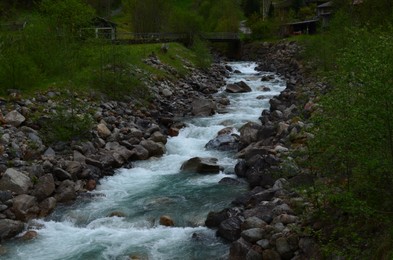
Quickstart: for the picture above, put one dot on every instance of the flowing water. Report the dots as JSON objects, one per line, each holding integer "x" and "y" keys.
{"x": 153, "y": 188}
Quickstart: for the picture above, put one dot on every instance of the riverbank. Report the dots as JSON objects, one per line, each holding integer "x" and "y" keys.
{"x": 37, "y": 176}
{"x": 270, "y": 221}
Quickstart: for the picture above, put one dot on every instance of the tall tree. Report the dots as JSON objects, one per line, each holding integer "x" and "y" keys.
{"x": 148, "y": 15}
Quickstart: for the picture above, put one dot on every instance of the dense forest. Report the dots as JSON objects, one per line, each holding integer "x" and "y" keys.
{"x": 352, "y": 152}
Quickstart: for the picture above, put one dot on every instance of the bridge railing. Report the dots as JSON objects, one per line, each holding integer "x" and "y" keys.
{"x": 220, "y": 36}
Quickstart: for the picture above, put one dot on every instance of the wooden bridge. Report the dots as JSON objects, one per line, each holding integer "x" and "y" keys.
{"x": 139, "y": 38}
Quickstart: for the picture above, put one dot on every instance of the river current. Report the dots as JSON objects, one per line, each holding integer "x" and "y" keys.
{"x": 153, "y": 188}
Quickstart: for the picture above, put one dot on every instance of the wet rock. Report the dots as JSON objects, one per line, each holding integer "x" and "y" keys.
{"x": 118, "y": 214}
{"x": 29, "y": 235}
{"x": 223, "y": 142}
{"x": 215, "y": 218}
{"x": 229, "y": 181}
{"x": 90, "y": 185}
{"x": 15, "y": 181}
{"x": 154, "y": 149}
{"x": 201, "y": 165}
{"x": 10, "y": 228}
{"x": 238, "y": 87}
{"x": 166, "y": 221}
{"x": 230, "y": 228}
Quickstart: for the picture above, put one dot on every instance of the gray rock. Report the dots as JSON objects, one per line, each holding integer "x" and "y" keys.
{"x": 44, "y": 187}
{"x": 203, "y": 107}
{"x": 238, "y": 87}
{"x": 226, "y": 142}
{"x": 158, "y": 137}
{"x": 155, "y": 149}
{"x": 140, "y": 153}
{"x": 25, "y": 207}
{"x": 15, "y": 181}
{"x": 66, "y": 191}
{"x": 285, "y": 219}
{"x": 281, "y": 209}
{"x": 253, "y": 222}
{"x": 239, "y": 249}
{"x": 201, "y": 165}
{"x": 264, "y": 243}
{"x": 230, "y": 228}
{"x": 49, "y": 153}
{"x": 283, "y": 248}
{"x": 61, "y": 174}
{"x": 47, "y": 206}
{"x": 253, "y": 235}
{"x": 5, "y": 195}
{"x": 10, "y": 228}
{"x": 249, "y": 133}
{"x": 103, "y": 131}
{"x": 14, "y": 118}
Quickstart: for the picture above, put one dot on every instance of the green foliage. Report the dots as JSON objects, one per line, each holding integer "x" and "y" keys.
{"x": 202, "y": 52}
{"x": 67, "y": 15}
{"x": 184, "y": 21}
{"x": 353, "y": 145}
{"x": 68, "y": 123}
{"x": 149, "y": 15}
{"x": 266, "y": 29}
{"x": 17, "y": 70}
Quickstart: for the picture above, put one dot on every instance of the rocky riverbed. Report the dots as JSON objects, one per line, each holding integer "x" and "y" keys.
{"x": 266, "y": 222}
{"x": 269, "y": 221}
{"x": 35, "y": 176}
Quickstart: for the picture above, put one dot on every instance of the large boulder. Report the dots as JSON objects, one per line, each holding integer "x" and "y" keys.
{"x": 230, "y": 228}
{"x": 140, "y": 153}
{"x": 225, "y": 142}
{"x": 203, "y": 107}
{"x": 14, "y": 118}
{"x": 201, "y": 165}
{"x": 15, "y": 181}
{"x": 155, "y": 149}
{"x": 47, "y": 206}
{"x": 249, "y": 133}
{"x": 238, "y": 87}
{"x": 103, "y": 131}
{"x": 166, "y": 221}
{"x": 10, "y": 228}
{"x": 66, "y": 191}
{"x": 25, "y": 207}
{"x": 44, "y": 187}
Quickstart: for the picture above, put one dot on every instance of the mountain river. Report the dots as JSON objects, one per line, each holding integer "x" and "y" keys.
{"x": 153, "y": 188}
